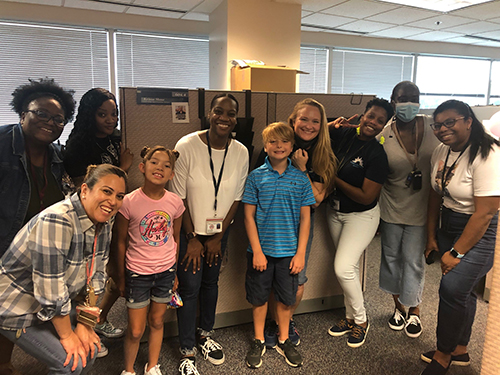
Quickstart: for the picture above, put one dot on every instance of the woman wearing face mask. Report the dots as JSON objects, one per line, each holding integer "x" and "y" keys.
{"x": 53, "y": 270}
{"x": 409, "y": 143}
{"x": 210, "y": 177}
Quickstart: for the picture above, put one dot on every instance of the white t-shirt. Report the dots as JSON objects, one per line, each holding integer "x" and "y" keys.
{"x": 193, "y": 178}
{"x": 151, "y": 248}
{"x": 465, "y": 181}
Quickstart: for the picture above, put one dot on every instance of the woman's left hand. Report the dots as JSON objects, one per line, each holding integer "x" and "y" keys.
{"x": 126, "y": 157}
{"x": 448, "y": 262}
{"x": 300, "y": 158}
{"x": 88, "y": 338}
{"x": 213, "y": 249}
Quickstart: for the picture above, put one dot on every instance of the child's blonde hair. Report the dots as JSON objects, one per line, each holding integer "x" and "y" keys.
{"x": 278, "y": 131}
{"x": 147, "y": 154}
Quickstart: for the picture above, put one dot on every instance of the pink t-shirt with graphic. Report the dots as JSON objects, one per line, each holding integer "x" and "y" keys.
{"x": 151, "y": 248}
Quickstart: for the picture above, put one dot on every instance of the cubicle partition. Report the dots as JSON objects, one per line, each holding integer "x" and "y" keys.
{"x": 152, "y": 124}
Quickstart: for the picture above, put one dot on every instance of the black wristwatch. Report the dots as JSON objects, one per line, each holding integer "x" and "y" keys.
{"x": 456, "y": 254}
{"x": 191, "y": 235}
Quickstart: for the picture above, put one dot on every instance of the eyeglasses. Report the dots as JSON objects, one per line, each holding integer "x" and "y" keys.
{"x": 45, "y": 117}
{"x": 447, "y": 124}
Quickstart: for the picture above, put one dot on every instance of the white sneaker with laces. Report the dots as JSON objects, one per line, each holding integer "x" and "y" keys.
{"x": 188, "y": 367}
{"x": 413, "y": 326}
{"x": 155, "y": 370}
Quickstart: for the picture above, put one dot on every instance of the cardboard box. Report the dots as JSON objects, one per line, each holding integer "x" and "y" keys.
{"x": 263, "y": 78}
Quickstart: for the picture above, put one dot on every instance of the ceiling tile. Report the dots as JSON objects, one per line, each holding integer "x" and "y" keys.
{"x": 43, "y": 2}
{"x": 399, "y": 32}
{"x": 317, "y": 5}
{"x": 306, "y": 13}
{"x": 490, "y": 34}
{"x": 403, "y": 15}
{"x": 195, "y": 16}
{"x": 153, "y": 12}
{"x": 475, "y": 27}
{"x": 307, "y": 28}
{"x": 481, "y": 12}
{"x": 496, "y": 20}
{"x": 169, "y": 4}
{"x": 434, "y": 36}
{"x": 365, "y": 26}
{"x": 463, "y": 40}
{"x": 207, "y": 6}
{"x": 359, "y": 9}
{"x": 94, "y": 6}
{"x": 326, "y": 20}
{"x": 441, "y": 22}
{"x": 489, "y": 44}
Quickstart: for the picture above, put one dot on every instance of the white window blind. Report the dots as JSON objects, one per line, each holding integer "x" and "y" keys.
{"x": 76, "y": 58}
{"x": 315, "y": 62}
{"x": 495, "y": 84}
{"x": 369, "y": 72}
{"x": 443, "y": 78}
{"x": 161, "y": 61}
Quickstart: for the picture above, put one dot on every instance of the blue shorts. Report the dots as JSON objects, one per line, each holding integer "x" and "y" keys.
{"x": 140, "y": 289}
{"x": 277, "y": 277}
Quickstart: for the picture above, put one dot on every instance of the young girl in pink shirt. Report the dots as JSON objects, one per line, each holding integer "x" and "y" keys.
{"x": 147, "y": 236}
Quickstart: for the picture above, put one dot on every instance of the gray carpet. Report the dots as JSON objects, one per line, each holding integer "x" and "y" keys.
{"x": 385, "y": 351}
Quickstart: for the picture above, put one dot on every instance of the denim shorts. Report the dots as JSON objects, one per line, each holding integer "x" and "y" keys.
{"x": 277, "y": 277}
{"x": 140, "y": 289}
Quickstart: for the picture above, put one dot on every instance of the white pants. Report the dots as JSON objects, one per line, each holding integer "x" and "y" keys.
{"x": 351, "y": 234}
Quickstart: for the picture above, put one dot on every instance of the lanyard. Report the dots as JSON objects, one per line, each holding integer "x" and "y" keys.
{"x": 447, "y": 173}
{"x": 89, "y": 270}
{"x": 343, "y": 162}
{"x": 398, "y": 136}
{"x": 41, "y": 192}
{"x": 219, "y": 179}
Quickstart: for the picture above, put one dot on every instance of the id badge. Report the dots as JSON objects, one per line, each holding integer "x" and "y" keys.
{"x": 336, "y": 204}
{"x": 214, "y": 225}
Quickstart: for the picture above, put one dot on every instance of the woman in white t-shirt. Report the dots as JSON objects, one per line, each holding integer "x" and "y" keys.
{"x": 210, "y": 178}
{"x": 465, "y": 179}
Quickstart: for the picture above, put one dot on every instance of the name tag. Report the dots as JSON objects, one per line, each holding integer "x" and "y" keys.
{"x": 214, "y": 226}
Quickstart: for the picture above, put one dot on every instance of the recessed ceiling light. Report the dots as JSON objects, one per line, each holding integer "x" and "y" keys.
{"x": 438, "y": 5}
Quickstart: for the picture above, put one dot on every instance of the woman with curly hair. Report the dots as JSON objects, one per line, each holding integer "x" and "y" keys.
{"x": 94, "y": 138}
{"x": 32, "y": 169}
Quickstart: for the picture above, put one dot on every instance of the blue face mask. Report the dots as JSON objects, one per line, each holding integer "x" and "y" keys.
{"x": 406, "y": 112}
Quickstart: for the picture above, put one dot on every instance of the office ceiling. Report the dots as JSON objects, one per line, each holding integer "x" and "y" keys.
{"x": 477, "y": 25}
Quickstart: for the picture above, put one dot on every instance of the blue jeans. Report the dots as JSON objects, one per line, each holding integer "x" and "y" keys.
{"x": 457, "y": 299}
{"x": 42, "y": 342}
{"x": 402, "y": 262}
{"x": 302, "y": 274}
{"x": 202, "y": 285}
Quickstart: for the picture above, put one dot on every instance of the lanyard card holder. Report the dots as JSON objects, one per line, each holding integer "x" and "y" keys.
{"x": 214, "y": 225}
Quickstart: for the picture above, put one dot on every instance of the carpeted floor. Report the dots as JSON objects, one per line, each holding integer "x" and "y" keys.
{"x": 385, "y": 351}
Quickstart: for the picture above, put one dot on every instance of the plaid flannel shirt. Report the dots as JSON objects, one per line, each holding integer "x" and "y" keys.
{"x": 44, "y": 268}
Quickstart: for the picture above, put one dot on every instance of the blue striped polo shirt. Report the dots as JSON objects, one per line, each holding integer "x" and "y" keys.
{"x": 278, "y": 199}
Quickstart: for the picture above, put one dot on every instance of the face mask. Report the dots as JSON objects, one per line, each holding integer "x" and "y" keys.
{"x": 406, "y": 112}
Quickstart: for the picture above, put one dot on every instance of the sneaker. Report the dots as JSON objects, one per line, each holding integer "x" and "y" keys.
{"x": 103, "y": 352}
{"x": 435, "y": 368}
{"x": 357, "y": 336}
{"x": 341, "y": 328}
{"x": 211, "y": 350}
{"x": 293, "y": 334}
{"x": 188, "y": 366}
{"x": 109, "y": 330}
{"x": 397, "y": 321}
{"x": 456, "y": 360}
{"x": 155, "y": 370}
{"x": 413, "y": 326}
{"x": 127, "y": 373}
{"x": 254, "y": 355}
{"x": 292, "y": 356}
{"x": 271, "y": 334}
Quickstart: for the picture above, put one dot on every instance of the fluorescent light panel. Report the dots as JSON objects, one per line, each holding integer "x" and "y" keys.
{"x": 438, "y": 5}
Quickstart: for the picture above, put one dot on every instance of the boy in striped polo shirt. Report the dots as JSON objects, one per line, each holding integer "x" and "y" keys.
{"x": 277, "y": 202}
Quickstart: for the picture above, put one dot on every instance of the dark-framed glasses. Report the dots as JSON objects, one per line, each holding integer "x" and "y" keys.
{"x": 45, "y": 117}
{"x": 447, "y": 124}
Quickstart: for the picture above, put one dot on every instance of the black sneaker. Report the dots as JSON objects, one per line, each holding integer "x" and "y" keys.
{"x": 292, "y": 356}
{"x": 254, "y": 355}
{"x": 435, "y": 368}
{"x": 456, "y": 360}
{"x": 341, "y": 328}
{"x": 211, "y": 350}
{"x": 357, "y": 336}
{"x": 188, "y": 366}
{"x": 413, "y": 326}
{"x": 293, "y": 334}
{"x": 271, "y": 334}
{"x": 397, "y": 321}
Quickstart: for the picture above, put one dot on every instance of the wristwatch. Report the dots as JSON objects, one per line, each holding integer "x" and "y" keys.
{"x": 191, "y": 235}
{"x": 456, "y": 254}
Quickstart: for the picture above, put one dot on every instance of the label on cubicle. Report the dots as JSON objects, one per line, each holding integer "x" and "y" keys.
{"x": 159, "y": 96}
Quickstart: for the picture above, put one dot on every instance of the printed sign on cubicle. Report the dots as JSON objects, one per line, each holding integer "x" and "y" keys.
{"x": 159, "y": 96}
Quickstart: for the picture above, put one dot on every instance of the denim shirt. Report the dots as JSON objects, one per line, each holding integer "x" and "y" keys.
{"x": 15, "y": 187}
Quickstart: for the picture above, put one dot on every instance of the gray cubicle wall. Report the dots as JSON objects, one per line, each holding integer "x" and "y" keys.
{"x": 152, "y": 124}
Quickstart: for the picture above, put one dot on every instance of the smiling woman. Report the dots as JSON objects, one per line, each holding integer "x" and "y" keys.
{"x": 55, "y": 263}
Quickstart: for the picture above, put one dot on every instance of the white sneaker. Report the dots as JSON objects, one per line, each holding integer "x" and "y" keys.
{"x": 155, "y": 370}
{"x": 103, "y": 352}
{"x": 127, "y": 373}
